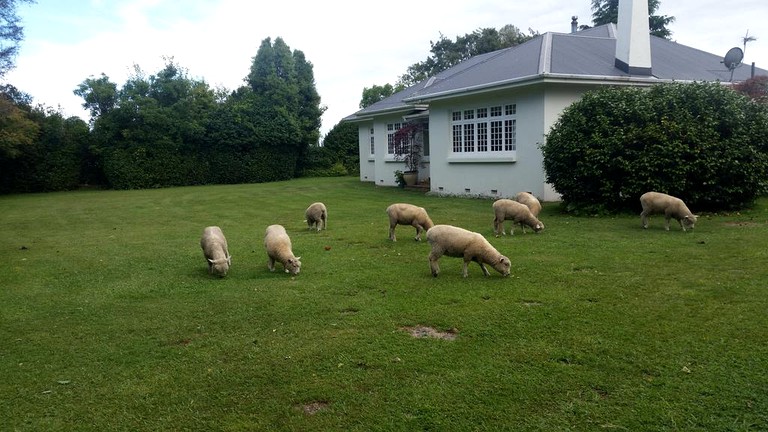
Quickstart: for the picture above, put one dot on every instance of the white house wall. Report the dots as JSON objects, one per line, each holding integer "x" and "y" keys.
{"x": 538, "y": 108}
{"x": 491, "y": 179}
{"x": 381, "y": 167}
{"x": 367, "y": 162}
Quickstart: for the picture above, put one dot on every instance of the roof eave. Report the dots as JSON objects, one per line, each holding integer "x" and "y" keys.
{"x": 538, "y": 79}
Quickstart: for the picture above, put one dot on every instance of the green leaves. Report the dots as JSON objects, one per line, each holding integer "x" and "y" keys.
{"x": 702, "y": 142}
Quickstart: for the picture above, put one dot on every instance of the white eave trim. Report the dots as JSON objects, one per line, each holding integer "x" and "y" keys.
{"x": 543, "y": 78}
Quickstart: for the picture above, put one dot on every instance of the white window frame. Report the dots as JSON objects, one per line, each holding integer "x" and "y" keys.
{"x": 372, "y": 146}
{"x": 484, "y": 134}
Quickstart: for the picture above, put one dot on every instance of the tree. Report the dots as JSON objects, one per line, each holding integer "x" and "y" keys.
{"x": 150, "y": 132}
{"x": 342, "y": 142}
{"x": 99, "y": 94}
{"x": 377, "y": 93}
{"x": 284, "y": 80}
{"x": 17, "y": 130}
{"x": 755, "y": 88}
{"x": 702, "y": 142}
{"x": 447, "y": 53}
{"x": 11, "y": 34}
{"x": 607, "y": 11}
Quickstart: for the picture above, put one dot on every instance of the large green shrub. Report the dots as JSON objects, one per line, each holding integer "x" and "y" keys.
{"x": 702, "y": 142}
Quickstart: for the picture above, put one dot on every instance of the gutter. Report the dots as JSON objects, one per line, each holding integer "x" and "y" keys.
{"x": 541, "y": 78}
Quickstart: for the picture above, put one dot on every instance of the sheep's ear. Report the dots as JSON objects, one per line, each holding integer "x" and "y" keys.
{"x": 210, "y": 260}
{"x": 229, "y": 259}
{"x": 298, "y": 258}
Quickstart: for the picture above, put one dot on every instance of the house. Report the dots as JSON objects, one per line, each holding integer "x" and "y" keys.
{"x": 486, "y": 118}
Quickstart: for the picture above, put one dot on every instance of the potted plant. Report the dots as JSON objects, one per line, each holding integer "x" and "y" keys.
{"x": 408, "y": 149}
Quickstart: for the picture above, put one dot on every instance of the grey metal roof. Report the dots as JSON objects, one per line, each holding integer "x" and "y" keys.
{"x": 587, "y": 54}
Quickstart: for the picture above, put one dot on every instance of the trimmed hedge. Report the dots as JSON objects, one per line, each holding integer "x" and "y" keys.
{"x": 702, "y": 142}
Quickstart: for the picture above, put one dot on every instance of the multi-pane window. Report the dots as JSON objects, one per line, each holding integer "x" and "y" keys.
{"x": 457, "y": 146}
{"x": 373, "y": 147}
{"x": 485, "y": 130}
{"x": 391, "y": 129}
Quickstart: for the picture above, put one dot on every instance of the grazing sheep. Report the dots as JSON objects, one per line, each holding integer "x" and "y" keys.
{"x": 215, "y": 250}
{"x": 317, "y": 216}
{"x": 278, "y": 246}
{"x": 460, "y": 243}
{"x": 529, "y": 200}
{"x": 504, "y": 209}
{"x": 672, "y": 207}
{"x": 408, "y": 214}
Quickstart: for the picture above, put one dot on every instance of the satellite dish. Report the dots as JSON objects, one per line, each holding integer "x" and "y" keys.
{"x": 733, "y": 59}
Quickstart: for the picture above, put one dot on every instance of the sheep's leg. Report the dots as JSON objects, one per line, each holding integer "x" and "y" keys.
{"x": 680, "y": 221}
{"x": 666, "y": 222}
{"x": 392, "y": 232}
{"x": 464, "y": 270}
{"x": 482, "y": 266}
{"x": 522, "y": 227}
{"x": 644, "y": 219}
{"x": 498, "y": 224}
{"x": 271, "y": 264}
{"x": 433, "y": 266}
{"x": 419, "y": 229}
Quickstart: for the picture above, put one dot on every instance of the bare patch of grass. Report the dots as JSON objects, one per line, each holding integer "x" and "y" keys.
{"x": 420, "y": 331}
{"x": 314, "y": 407}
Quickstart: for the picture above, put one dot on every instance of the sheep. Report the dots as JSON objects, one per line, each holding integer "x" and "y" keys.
{"x": 317, "y": 216}
{"x": 215, "y": 250}
{"x": 504, "y": 209}
{"x": 408, "y": 214}
{"x": 460, "y": 243}
{"x": 529, "y": 200}
{"x": 278, "y": 246}
{"x": 672, "y": 207}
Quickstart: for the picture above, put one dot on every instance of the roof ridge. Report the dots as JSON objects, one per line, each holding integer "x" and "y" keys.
{"x": 545, "y": 55}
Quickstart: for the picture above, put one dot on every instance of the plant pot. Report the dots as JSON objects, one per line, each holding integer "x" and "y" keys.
{"x": 410, "y": 177}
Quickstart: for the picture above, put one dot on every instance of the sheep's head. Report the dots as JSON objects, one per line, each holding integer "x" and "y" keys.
{"x": 538, "y": 227}
{"x": 503, "y": 265}
{"x": 220, "y": 266}
{"x": 293, "y": 266}
{"x": 689, "y": 221}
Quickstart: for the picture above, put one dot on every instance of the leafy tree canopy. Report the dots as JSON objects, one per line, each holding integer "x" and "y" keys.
{"x": 607, "y": 11}
{"x": 11, "y": 34}
{"x": 377, "y": 93}
{"x": 446, "y": 54}
{"x": 755, "y": 88}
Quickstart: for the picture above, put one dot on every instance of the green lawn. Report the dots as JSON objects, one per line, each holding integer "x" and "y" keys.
{"x": 109, "y": 320}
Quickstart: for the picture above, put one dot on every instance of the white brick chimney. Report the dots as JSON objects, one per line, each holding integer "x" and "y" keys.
{"x": 633, "y": 41}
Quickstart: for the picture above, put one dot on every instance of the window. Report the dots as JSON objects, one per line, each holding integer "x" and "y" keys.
{"x": 487, "y": 131}
{"x": 373, "y": 147}
{"x": 391, "y": 129}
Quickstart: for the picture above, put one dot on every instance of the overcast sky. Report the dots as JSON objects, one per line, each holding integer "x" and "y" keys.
{"x": 352, "y": 45}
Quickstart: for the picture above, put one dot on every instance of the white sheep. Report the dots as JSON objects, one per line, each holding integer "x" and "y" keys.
{"x": 278, "y": 246}
{"x": 460, "y": 243}
{"x": 408, "y": 214}
{"x": 317, "y": 216}
{"x": 529, "y": 200}
{"x": 504, "y": 209}
{"x": 671, "y": 207}
{"x": 215, "y": 250}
